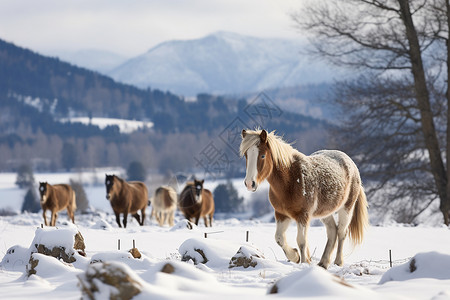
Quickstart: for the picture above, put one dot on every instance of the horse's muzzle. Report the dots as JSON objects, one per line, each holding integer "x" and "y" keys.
{"x": 251, "y": 185}
{"x": 108, "y": 196}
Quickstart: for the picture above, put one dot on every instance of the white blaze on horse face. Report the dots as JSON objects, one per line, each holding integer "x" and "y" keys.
{"x": 252, "y": 168}
{"x": 198, "y": 198}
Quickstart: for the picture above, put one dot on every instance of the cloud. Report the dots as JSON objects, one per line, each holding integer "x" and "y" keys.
{"x": 132, "y": 27}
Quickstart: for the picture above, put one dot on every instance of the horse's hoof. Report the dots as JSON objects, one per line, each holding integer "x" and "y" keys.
{"x": 323, "y": 265}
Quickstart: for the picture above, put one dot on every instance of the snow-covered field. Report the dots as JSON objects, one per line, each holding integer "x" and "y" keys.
{"x": 366, "y": 273}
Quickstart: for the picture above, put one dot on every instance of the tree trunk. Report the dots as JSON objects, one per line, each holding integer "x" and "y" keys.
{"x": 445, "y": 207}
{"x": 423, "y": 101}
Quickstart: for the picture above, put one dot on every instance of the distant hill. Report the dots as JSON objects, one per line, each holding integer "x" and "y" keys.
{"x": 223, "y": 63}
{"x": 37, "y": 92}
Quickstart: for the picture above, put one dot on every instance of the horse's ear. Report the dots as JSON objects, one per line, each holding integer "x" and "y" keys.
{"x": 263, "y": 136}
{"x": 243, "y": 133}
{"x": 203, "y": 181}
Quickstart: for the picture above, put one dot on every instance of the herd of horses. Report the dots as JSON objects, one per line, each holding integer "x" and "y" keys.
{"x": 132, "y": 197}
{"x": 321, "y": 185}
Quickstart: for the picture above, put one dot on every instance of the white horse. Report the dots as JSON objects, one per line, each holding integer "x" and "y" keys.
{"x": 305, "y": 187}
{"x": 164, "y": 204}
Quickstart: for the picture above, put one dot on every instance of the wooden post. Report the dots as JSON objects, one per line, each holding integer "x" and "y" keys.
{"x": 134, "y": 245}
{"x": 246, "y": 237}
{"x": 390, "y": 258}
{"x": 118, "y": 244}
{"x": 206, "y": 235}
{"x": 42, "y": 225}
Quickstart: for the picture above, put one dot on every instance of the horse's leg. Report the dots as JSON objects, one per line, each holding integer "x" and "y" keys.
{"x": 45, "y": 217}
{"x": 280, "y": 237}
{"x": 137, "y": 217}
{"x": 171, "y": 217}
{"x": 160, "y": 218}
{"x": 53, "y": 220}
{"x": 71, "y": 214}
{"x": 142, "y": 216}
{"x": 210, "y": 219}
{"x": 205, "y": 219}
{"x": 342, "y": 230}
{"x": 118, "y": 219}
{"x": 330, "y": 224}
{"x": 125, "y": 219}
{"x": 197, "y": 219}
{"x": 302, "y": 232}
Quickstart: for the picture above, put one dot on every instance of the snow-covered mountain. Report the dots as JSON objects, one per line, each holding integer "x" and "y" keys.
{"x": 222, "y": 63}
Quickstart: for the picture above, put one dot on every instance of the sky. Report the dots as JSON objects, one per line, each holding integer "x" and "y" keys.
{"x": 132, "y": 27}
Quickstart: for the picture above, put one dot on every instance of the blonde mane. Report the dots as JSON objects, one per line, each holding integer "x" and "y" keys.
{"x": 282, "y": 152}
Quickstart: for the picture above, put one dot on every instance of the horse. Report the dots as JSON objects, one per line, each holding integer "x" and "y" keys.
{"x": 196, "y": 202}
{"x": 305, "y": 187}
{"x": 164, "y": 204}
{"x": 55, "y": 198}
{"x": 126, "y": 197}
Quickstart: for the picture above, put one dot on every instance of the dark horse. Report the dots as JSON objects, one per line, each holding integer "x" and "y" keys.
{"x": 126, "y": 197}
{"x": 55, "y": 198}
{"x": 196, "y": 202}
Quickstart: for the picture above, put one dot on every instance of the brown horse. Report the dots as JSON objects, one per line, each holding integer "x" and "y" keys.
{"x": 55, "y": 198}
{"x": 164, "y": 204}
{"x": 305, "y": 187}
{"x": 196, "y": 202}
{"x": 126, "y": 197}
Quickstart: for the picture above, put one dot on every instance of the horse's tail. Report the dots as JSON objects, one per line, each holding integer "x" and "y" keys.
{"x": 74, "y": 201}
{"x": 360, "y": 219}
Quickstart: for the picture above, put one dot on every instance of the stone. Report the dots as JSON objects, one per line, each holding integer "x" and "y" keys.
{"x": 116, "y": 275}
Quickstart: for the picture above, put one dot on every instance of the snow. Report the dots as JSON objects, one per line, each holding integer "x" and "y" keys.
{"x": 365, "y": 275}
{"x": 125, "y": 126}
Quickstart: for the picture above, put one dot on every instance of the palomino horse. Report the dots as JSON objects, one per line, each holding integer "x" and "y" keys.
{"x": 126, "y": 197}
{"x": 304, "y": 187}
{"x": 164, "y": 204}
{"x": 196, "y": 202}
{"x": 55, "y": 198}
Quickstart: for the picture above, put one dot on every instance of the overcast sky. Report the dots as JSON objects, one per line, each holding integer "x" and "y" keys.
{"x": 131, "y": 27}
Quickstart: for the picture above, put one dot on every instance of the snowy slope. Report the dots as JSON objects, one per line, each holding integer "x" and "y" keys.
{"x": 125, "y": 126}
{"x": 222, "y": 63}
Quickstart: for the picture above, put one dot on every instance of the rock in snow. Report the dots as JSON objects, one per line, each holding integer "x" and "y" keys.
{"x": 111, "y": 280}
{"x": 246, "y": 257}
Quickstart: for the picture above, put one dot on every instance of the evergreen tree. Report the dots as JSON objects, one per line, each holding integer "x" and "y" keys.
{"x": 227, "y": 199}
{"x": 31, "y": 201}
{"x": 136, "y": 171}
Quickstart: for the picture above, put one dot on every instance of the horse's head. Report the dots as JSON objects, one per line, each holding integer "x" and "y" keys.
{"x": 198, "y": 185}
{"x": 258, "y": 158}
{"x": 111, "y": 186}
{"x": 43, "y": 191}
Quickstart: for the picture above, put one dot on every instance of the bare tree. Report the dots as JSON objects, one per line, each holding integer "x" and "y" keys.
{"x": 396, "y": 108}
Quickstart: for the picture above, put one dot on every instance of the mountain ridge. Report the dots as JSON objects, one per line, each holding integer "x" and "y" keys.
{"x": 222, "y": 63}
